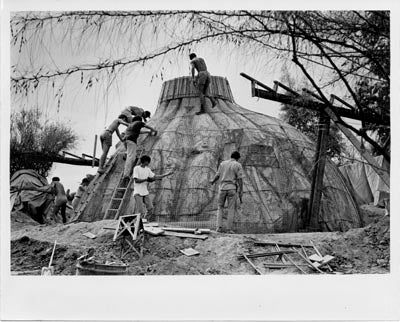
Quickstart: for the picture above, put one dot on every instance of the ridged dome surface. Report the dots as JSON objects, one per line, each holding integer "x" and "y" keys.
{"x": 277, "y": 160}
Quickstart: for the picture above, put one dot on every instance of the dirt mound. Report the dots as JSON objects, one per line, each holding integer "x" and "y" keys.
{"x": 20, "y": 220}
{"x": 365, "y": 250}
{"x": 28, "y": 255}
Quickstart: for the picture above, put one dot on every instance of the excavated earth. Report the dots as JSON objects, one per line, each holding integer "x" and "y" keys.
{"x": 363, "y": 250}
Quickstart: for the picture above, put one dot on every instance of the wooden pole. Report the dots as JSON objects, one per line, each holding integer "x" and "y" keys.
{"x": 252, "y": 265}
{"x": 318, "y": 173}
{"x": 94, "y": 150}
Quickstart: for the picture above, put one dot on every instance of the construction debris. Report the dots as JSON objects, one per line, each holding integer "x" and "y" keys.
{"x": 154, "y": 231}
{"x": 252, "y": 265}
{"x": 271, "y": 243}
{"x": 189, "y": 252}
{"x": 255, "y": 255}
{"x": 89, "y": 235}
{"x": 184, "y": 235}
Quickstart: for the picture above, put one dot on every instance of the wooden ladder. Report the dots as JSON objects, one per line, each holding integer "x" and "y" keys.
{"x": 120, "y": 195}
{"x": 94, "y": 184}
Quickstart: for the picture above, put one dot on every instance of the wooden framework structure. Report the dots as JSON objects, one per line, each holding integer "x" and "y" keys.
{"x": 326, "y": 114}
{"x": 131, "y": 231}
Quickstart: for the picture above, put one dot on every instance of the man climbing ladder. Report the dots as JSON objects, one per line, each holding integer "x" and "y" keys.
{"x": 131, "y": 135}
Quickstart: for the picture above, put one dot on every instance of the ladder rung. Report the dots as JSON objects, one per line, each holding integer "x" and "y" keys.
{"x": 112, "y": 210}
{"x": 117, "y": 198}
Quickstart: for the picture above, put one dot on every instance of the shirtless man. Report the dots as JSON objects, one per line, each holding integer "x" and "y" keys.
{"x": 202, "y": 81}
{"x": 132, "y": 111}
{"x": 106, "y": 139}
{"x": 60, "y": 201}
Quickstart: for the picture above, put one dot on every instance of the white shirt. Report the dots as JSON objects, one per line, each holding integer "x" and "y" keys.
{"x": 141, "y": 173}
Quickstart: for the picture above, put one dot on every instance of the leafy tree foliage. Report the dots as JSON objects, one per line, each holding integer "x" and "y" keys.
{"x": 30, "y": 134}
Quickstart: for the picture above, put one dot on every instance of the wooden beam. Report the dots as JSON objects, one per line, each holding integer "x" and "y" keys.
{"x": 56, "y": 158}
{"x": 71, "y": 154}
{"x": 252, "y": 265}
{"x": 319, "y": 106}
{"x": 271, "y": 243}
{"x": 94, "y": 150}
{"x": 331, "y": 112}
{"x": 318, "y": 172}
{"x": 384, "y": 175}
{"x": 256, "y": 82}
{"x": 84, "y": 155}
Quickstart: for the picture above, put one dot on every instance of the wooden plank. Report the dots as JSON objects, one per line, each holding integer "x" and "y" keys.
{"x": 29, "y": 272}
{"x": 271, "y": 243}
{"x": 56, "y": 158}
{"x": 317, "y": 251}
{"x": 184, "y": 235}
{"x": 252, "y": 265}
{"x": 298, "y": 266}
{"x": 308, "y": 262}
{"x": 255, "y": 255}
{"x": 315, "y": 258}
{"x": 180, "y": 229}
{"x": 89, "y": 235}
{"x": 150, "y": 224}
{"x": 155, "y": 231}
{"x": 189, "y": 252}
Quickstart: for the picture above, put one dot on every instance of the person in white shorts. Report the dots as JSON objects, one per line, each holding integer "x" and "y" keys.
{"x": 142, "y": 174}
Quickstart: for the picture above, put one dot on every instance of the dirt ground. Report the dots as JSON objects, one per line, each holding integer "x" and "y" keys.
{"x": 363, "y": 250}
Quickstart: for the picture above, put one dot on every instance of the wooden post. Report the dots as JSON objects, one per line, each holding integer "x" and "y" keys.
{"x": 318, "y": 173}
{"x": 94, "y": 150}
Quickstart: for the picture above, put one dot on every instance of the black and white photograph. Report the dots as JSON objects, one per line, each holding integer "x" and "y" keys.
{"x": 191, "y": 142}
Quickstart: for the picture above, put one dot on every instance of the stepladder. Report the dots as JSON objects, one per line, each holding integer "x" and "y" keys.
{"x": 121, "y": 194}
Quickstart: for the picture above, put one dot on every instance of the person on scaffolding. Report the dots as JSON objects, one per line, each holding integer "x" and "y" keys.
{"x": 132, "y": 133}
{"x": 142, "y": 174}
{"x": 131, "y": 111}
{"x": 201, "y": 81}
{"x": 231, "y": 174}
{"x": 106, "y": 139}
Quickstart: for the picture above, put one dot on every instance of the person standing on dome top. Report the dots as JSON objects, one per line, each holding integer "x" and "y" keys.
{"x": 201, "y": 81}
{"x": 106, "y": 139}
{"x": 132, "y": 111}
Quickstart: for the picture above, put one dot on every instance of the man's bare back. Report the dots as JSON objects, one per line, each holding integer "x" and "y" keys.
{"x": 199, "y": 64}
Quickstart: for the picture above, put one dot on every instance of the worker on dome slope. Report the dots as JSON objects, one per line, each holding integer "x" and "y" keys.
{"x": 131, "y": 111}
{"x": 201, "y": 81}
{"x": 142, "y": 174}
{"x": 131, "y": 135}
{"x": 231, "y": 174}
{"x": 81, "y": 189}
{"x": 106, "y": 139}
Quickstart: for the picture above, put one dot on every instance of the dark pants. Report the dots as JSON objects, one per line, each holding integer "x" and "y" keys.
{"x": 56, "y": 209}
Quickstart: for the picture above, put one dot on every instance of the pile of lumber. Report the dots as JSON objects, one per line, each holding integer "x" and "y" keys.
{"x": 316, "y": 261}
